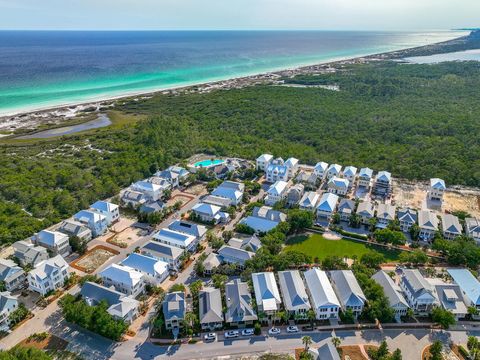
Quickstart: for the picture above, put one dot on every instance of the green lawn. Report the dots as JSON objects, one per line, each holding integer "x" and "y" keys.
{"x": 317, "y": 246}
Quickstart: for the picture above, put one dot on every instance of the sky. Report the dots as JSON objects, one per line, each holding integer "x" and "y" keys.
{"x": 238, "y": 14}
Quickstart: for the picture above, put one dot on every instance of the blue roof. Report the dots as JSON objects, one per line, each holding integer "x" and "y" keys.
{"x": 328, "y": 202}
{"x": 143, "y": 263}
{"x": 467, "y": 282}
{"x": 259, "y": 224}
{"x": 103, "y": 206}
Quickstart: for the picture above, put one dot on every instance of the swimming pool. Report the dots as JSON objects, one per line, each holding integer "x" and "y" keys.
{"x": 208, "y": 163}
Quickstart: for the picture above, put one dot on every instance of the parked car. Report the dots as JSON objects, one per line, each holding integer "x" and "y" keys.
{"x": 210, "y": 337}
{"x": 307, "y": 328}
{"x": 231, "y": 334}
{"x": 247, "y": 332}
{"x": 292, "y": 329}
{"x": 274, "y": 331}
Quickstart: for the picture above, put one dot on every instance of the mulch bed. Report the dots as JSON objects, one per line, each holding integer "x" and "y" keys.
{"x": 353, "y": 352}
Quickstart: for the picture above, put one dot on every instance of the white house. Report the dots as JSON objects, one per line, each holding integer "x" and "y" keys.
{"x": 428, "y": 223}
{"x": 385, "y": 215}
{"x": 232, "y": 255}
{"x": 450, "y": 298}
{"x": 294, "y": 194}
{"x": 133, "y": 198}
{"x": 473, "y": 228}
{"x": 294, "y": 295}
{"x": 326, "y": 206}
{"x": 28, "y": 253}
{"x": 365, "y": 177}
{"x": 8, "y": 304}
{"x": 120, "y": 306}
{"x": 348, "y": 291}
{"x": 48, "y": 275}
{"x": 437, "y": 189}
{"x": 263, "y": 161}
{"x": 230, "y": 190}
{"x": 240, "y": 311}
{"x": 366, "y": 211}
{"x": 469, "y": 285}
{"x": 97, "y": 223}
{"x": 323, "y": 299}
{"x": 152, "y": 192}
{"x": 124, "y": 279}
{"x": 155, "y": 271}
{"x": 210, "y": 309}
{"x": 349, "y": 173}
{"x": 339, "y": 186}
{"x": 407, "y": 218}
{"x": 75, "y": 228}
{"x": 382, "y": 185}
{"x": 393, "y": 292}
{"x": 451, "y": 227}
{"x": 185, "y": 227}
{"x": 174, "y": 309}
{"x": 107, "y": 209}
{"x": 277, "y": 192}
{"x": 11, "y": 275}
{"x": 264, "y": 219}
{"x": 177, "y": 239}
{"x": 292, "y": 166}
{"x": 320, "y": 169}
{"x": 334, "y": 170}
{"x": 167, "y": 253}
{"x": 418, "y": 291}
{"x": 172, "y": 177}
{"x": 277, "y": 170}
{"x": 266, "y": 291}
{"x": 210, "y": 213}
{"x": 309, "y": 201}
{"x": 56, "y": 242}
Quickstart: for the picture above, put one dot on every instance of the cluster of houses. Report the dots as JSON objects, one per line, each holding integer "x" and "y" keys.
{"x": 326, "y": 293}
{"x": 290, "y": 181}
{"x": 146, "y": 195}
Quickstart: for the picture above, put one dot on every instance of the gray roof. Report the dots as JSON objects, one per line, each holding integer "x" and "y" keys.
{"x": 407, "y": 215}
{"x": 188, "y": 228}
{"x": 233, "y": 253}
{"x": 325, "y": 352}
{"x": 7, "y": 301}
{"x": 239, "y": 302}
{"x": 164, "y": 250}
{"x": 72, "y": 227}
{"x": 427, "y": 220}
{"x": 365, "y": 173}
{"x": 473, "y": 227}
{"x": 366, "y": 208}
{"x": 210, "y": 305}
{"x": 217, "y": 201}
{"x": 386, "y": 211}
{"x": 293, "y": 290}
{"x": 346, "y": 206}
{"x": 384, "y": 176}
{"x": 174, "y": 306}
{"x": 451, "y": 224}
{"x": 309, "y": 199}
{"x": 392, "y": 291}
{"x": 24, "y": 249}
{"x": 95, "y": 293}
{"x": 416, "y": 283}
{"x": 8, "y": 268}
{"x": 451, "y": 298}
{"x": 321, "y": 291}
{"x": 268, "y": 213}
{"x": 152, "y": 207}
{"x": 347, "y": 288}
{"x": 241, "y": 242}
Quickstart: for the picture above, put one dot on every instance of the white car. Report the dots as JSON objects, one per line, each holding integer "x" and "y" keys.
{"x": 210, "y": 337}
{"x": 274, "y": 331}
{"x": 247, "y": 332}
{"x": 292, "y": 329}
{"x": 231, "y": 334}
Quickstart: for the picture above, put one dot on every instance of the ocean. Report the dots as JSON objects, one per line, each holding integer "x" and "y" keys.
{"x": 40, "y": 69}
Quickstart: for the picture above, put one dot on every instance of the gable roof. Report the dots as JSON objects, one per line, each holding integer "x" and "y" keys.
{"x": 94, "y": 293}
{"x": 207, "y": 209}
{"x": 365, "y": 173}
{"x": 8, "y": 268}
{"x": 293, "y": 290}
{"x": 350, "y": 171}
{"x": 346, "y": 206}
{"x": 143, "y": 185}
{"x": 325, "y": 352}
{"x": 467, "y": 282}
{"x": 347, "y": 288}
{"x": 384, "y": 176}
{"x": 266, "y": 290}
{"x": 366, "y": 208}
{"x": 321, "y": 167}
{"x": 321, "y": 291}
{"x": 427, "y": 220}
{"x": 104, "y": 206}
{"x": 451, "y": 224}
{"x": 210, "y": 305}
{"x": 473, "y": 227}
{"x": 277, "y": 188}
{"x": 239, "y": 302}
{"x": 437, "y": 183}
{"x": 339, "y": 183}
{"x": 386, "y": 212}
{"x": 242, "y": 242}
{"x": 73, "y": 227}
{"x": 265, "y": 158}
{"x": 45, "y": 268}
{"x": 51, "y": 238}
{"x": 309, "y": 199}
{"x": 133, "y": 195}
{"x": 231, "y": 252}
{"x": 407, "y": 215}
{"x": 416, "y": 283}
{"x": 188, "y": 228}
{"x": 392, "y": 291}
{"x": 163, "y": 250}
{"x": 7, "y": 301}
{"x": 291, "y": 162}
{"x": 451, "y": 299}
{"x": 145, "y": 264}
{"x": 88, "y": 216}
{"x": 174, "y": 237}
{"x": 328, "y": 202}
{"x": 335, "y": 168}
{"x": 267, "y": 212}
{"x": 122, "y": 274}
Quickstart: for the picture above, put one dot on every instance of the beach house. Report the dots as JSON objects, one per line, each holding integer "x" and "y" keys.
{"x": 174, "y": 310}
{"x": 151, "y": 191}
{"x": 345, "y": 209}
{"x": 55, "y": 242}
{"x": 348, "y": 291}
{"x": 365, "y": 178}
{"x": 294, "y": 294}
{"x": 419, "y": 293}
{"x": 97, "y": 223}
{"x": 109, "y": 210}
{"x": 325, "y": 352}
{"x": 245, "y": 242}
{"x": 292, "y": 166}
{"x": 309, "y": 201}
{"x": 393, "y": 292}
{"x": 75, "y": 228}
{"x": 428, "y": 223}
{"x": 210, "y": 309}
{"x": 326, "y": 206}
{"x": 276, "y": 171}
{"x": 277, "y": 192}
{"x": 472, "y": 226}
{"x": 28, "y": 253}
{"x": 322, "y": 296}
{"x": 320, "y": 169}
{"x": 174, "y": 238}
{"x": 334, "y": 170}
{"x": 264, "y": 219}
{"x": 210, "y": 213}
{"x": 383, "y": 182}
{"x": 385, "y": 215}
{"x": 167, "y": 253}
{"x": 294, "y": 194}
{"x": 133, "y": 198}
{"x": 366, "y": 211}
{"x": 436, "y": 190}
{"x": 350, "y": 173}
{"x": 240, "y": 311}
{"x": 11, "y": 275}
{"x": 267, "y": 295}
{"x": 232, "y": 255}
{"x": 450, "y": 298}
{"x": 230, "y": 190}
{"x": 469, "y": 286}
{"x": 49, "y": 275}
{"x": 123, "y": 279}
{"x": 339, "y": 186}
{"x": 8, "y": 304}
{"x": 263, "y": 161}
{"x": 188, "y": 228}
{"x": 154, "y": 271}
{"x": 451, "y": 227}
{"x": 407, "y": 217}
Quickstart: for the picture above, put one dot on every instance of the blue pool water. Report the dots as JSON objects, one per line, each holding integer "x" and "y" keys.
{"x": 208, "y": 163}
{"x": 41, "y": 69}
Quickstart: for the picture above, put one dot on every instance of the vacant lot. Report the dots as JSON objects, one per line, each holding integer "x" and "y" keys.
{"x": 318, "y": 247}
{"x": 94, "y": 258}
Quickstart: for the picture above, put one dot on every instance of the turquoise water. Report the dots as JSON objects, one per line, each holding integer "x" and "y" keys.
{"x": 46, "y": 69}
{"x": 207, "y": 163}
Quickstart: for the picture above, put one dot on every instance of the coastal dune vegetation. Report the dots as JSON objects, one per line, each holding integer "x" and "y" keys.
{"x": 417, "y": 121}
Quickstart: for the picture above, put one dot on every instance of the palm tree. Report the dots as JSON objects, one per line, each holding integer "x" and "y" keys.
{"x": 307, "y": 341}
{"x": 190, "y": 319}
{"x": 336, "y": 341}
{"x": 311, "y": 316}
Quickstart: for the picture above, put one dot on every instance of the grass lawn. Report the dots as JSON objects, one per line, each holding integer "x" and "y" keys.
{"x": 316, "y": 245}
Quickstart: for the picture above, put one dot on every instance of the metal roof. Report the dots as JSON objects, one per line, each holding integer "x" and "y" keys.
{"x": 293, "y": 290}
{"x": 347, "y": 288}
{"x": 321, "y": 291}
{"x": 468, "y": 283}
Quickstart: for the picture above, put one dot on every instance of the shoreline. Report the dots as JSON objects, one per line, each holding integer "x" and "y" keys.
{"x": 71, "y": 110}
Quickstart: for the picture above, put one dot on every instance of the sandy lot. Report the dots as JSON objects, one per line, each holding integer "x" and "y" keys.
{"x": 195, "y": 190}
{"x": 466, "y": 200}
{"x": 94, "y": 259}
